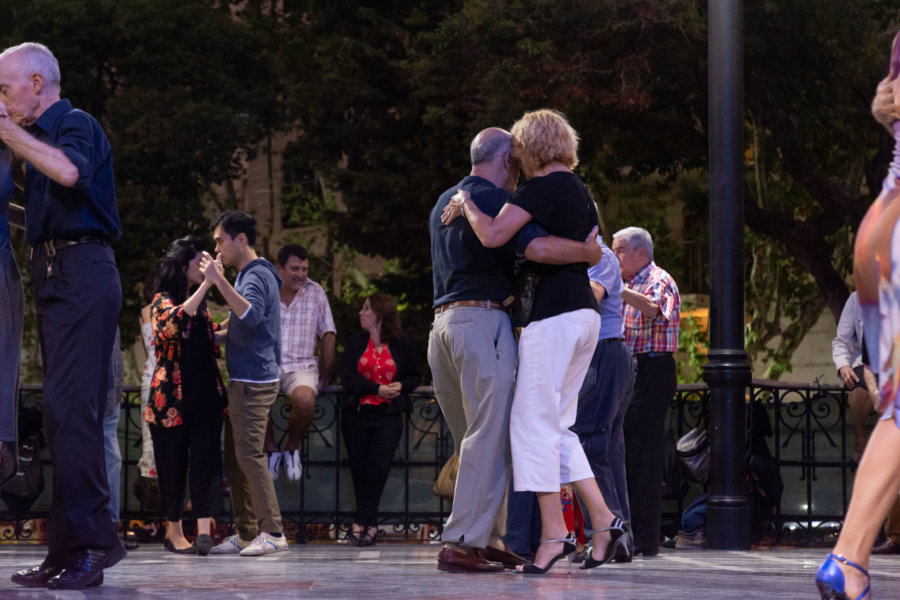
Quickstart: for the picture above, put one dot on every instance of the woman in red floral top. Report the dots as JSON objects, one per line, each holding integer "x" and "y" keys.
{"x": 378, "y": 370}
{"x": 187, "y": 397}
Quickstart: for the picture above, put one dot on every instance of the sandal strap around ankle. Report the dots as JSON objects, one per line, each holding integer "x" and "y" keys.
{"x": 566, "y": 540}
{"x": 617, "y": 524}
{"x": 844, "y": 560}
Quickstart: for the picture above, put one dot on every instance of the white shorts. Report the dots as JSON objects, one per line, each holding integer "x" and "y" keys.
{"x": 308, "y": 378}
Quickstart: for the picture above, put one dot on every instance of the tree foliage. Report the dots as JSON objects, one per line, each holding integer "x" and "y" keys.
{"x": 380, "y": 100}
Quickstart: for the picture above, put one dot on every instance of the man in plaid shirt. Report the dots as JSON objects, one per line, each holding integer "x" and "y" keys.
{"x": 652, "y": 309}
{"x": 305, "y": 318}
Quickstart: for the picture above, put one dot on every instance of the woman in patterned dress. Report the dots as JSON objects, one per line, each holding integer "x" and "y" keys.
{"x": 187, "y": 398}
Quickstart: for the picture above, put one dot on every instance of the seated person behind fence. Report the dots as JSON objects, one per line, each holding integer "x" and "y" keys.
{"x": 852, "y": 365}
{"x": 378, "y": 370}
{"x": 187, "y": 397}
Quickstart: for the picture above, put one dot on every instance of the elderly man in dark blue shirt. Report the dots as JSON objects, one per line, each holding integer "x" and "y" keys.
{"x": 472, "y": 353}
{"x": 71, "y": 220}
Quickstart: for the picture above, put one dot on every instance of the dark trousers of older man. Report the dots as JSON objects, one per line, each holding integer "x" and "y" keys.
{"x": 602, "y": 406}
{"x": 654, "y": 387}
{"x": 77, "y": 300}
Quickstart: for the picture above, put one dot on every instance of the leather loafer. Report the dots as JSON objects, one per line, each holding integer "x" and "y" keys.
{"x": 36, "y": 576}
{"x": 508, "y": 559}
{"x": 86, "y": 569}
{"x": 468, "y": 560}
{"x": 889, "y": 546}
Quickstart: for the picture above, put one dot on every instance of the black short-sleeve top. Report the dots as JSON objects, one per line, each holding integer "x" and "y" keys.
{"x": 560, "y": 203}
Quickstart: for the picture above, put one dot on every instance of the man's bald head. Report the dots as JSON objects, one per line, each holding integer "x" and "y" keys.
{"x": 489, "y": 144}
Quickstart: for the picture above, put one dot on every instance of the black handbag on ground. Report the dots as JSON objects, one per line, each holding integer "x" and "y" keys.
{"x": 20, "y": 492}
{"x": 693, "y": 450}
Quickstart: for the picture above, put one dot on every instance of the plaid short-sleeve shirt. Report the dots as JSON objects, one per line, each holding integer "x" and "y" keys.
{"x": 306, "y": 319}
{"x": 643, "y": 334}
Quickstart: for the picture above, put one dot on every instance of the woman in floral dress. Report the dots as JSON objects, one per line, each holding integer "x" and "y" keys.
{"x": 187, "y": 398}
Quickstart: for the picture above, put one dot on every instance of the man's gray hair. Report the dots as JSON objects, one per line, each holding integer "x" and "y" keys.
{"x": 636, "y": 237}
{"x": 36, "y": 58}
{"x": 487, "y": 147}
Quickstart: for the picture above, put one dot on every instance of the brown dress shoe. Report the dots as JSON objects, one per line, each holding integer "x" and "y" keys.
{"x": 889, "y": 546}
{"x": 508, "y": 559}
{"x": 465, "y": 560}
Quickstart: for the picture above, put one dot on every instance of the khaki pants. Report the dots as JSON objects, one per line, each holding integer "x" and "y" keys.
{"x": 472, "y": 356}
{"x": 253, "y": 499}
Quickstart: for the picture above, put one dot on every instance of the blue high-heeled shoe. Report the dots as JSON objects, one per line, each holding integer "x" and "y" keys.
{"x": 830, "y": 579}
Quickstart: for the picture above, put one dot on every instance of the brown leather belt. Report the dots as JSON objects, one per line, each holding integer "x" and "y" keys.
{"x": 491, "y": 304}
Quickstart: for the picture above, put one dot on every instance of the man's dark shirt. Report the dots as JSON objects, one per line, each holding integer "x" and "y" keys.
{"x": 87, "y": 209}
{"x": 462, "y": 268}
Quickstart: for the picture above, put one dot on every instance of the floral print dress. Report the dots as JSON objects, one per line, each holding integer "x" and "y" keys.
{"x": 174, "y": 331}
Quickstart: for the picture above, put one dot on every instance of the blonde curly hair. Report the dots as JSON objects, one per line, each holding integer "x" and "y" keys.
{"x": 542, "y": 137}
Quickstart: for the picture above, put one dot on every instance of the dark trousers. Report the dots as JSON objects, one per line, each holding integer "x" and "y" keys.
{"x": 602, "y": 405}
{"x": 371, "y": 442}
{"x": 191, "y": 450}
{"x": 11, "y": 309}
{"x": 77, "y": 314}
{"x": 523, "y": 522}
{"x": 654, "y": 387}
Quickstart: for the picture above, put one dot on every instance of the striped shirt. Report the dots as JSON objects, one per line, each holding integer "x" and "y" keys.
{"x": 643, "y": 334}
{"x": 303, "y": 321}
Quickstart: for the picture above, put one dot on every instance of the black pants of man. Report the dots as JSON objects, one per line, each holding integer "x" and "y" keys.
{"x": 77, "y": 301}
{"x": 602, "y": 406}
{"x": 654, "y": 387}
{"x": 371, "y": 442}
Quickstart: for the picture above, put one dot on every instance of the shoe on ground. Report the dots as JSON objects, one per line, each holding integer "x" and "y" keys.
{"x": 275, "y": 459}
{"x": 86, "y": 569}
{"x": 37, "y": 576}
{"x": 889, "y": 546}
{"x": 204, "y": 544}
{"x": 691, "y": 540}
{"x": 508, "y": 559}
{"x": 266, "y": 543}
{"x": 455, "y": 559}
{"x": 230, "y": 545}
{"x": 292, "y": 467}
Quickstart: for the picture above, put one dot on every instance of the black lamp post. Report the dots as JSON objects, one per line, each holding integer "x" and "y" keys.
{"x": 728, "y": 372}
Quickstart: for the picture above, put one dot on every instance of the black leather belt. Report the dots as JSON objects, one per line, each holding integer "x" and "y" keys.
{"x": 611, "y": 340}
{"x": 51, "y": 247}
{"x": 652, "y": 355}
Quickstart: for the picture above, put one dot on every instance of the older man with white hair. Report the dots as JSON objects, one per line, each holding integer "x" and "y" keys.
{"x": 652, "y": 313}
{"x": 70, "y": 199}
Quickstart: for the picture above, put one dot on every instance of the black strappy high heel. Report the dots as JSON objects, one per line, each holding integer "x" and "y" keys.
{"x": 616, "y": 531}
{"x": 568, "y": 550}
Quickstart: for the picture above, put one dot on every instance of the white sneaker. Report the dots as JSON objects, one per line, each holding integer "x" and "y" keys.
{"x": 292, "y": 466}
{"x": 264, "y": 544}
{"x": 231, "y": 545}
{"x": 275, "y": 464}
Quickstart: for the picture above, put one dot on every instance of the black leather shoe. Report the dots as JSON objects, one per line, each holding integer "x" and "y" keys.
{"x": 889, "y": 546}
{"x": 36, "y": 576}
{"x": 86, "y": 569}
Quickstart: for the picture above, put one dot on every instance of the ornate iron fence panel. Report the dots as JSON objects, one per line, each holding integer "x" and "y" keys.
{"x": 810, "y": 445}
